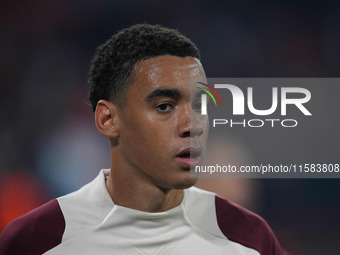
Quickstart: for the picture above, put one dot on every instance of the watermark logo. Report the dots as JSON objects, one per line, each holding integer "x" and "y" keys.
{"x": 295, "y": 96}
{"x": 204, "y": 97}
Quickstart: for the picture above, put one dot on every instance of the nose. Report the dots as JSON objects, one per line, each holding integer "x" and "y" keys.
{"x": 191, "y": 123}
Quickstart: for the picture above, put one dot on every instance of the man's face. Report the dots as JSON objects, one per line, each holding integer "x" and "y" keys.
{"x": 162, "y": 131}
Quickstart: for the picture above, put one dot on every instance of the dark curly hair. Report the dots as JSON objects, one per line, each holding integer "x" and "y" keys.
{"x": 111, "y": 69}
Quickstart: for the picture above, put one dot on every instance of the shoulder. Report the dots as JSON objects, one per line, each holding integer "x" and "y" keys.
{"x": 245, "y": 227}
{"x": 225, "y": 219}
{"x": 35, "y": 232}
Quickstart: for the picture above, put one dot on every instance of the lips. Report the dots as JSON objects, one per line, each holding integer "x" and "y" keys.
{"x": 189, "y": 157}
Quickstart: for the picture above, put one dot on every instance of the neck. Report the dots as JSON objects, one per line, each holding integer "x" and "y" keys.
{"x": 142, "y": 197}
{"x": 129, "y": 189}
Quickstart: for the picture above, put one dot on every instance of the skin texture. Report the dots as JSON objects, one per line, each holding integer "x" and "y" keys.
{"x": 158, "y": 122}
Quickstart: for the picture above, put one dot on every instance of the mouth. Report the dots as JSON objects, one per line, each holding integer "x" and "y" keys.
{"x": 189, "y": 157}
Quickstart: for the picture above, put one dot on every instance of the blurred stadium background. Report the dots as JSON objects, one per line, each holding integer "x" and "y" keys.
{"x": 49, "y": 144}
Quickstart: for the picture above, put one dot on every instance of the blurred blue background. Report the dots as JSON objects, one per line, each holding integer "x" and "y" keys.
{"x": 49, "y": 144}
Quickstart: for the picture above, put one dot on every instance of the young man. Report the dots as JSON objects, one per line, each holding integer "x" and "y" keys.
{"x": 143, "y": 86}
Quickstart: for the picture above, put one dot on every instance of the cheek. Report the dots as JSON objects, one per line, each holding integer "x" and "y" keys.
{"x": 204, "y": 137}
{"x": 142, "y": 131}
{"x": 206, "y": 129}
{"x": 160, "y": 128}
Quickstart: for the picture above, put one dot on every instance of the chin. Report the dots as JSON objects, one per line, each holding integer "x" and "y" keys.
{"x": 185, "y": 184}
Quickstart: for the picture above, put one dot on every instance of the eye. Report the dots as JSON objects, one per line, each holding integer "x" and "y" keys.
{"x": 197, "y": 106}
{"x": 164, "y": 107}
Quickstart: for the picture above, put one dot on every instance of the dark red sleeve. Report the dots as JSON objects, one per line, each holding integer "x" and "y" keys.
{"x": 244, "y": 227}
{"x": 34, "y": 233}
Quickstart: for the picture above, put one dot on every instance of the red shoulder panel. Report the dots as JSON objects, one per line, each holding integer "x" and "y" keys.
{"x": 34, "y": 233}
{"x": 244, "y": 227}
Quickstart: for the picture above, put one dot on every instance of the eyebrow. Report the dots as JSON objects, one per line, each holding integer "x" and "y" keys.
{"x": 157, "y": 93}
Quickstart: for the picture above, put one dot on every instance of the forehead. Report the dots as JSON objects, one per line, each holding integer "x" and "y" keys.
{"x": 167, "y": 71}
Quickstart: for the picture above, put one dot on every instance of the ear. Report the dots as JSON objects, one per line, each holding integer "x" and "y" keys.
{"x": 107, "y": 119}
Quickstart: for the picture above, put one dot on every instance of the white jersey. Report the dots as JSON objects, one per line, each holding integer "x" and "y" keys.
{"x": 88, "y": 222}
